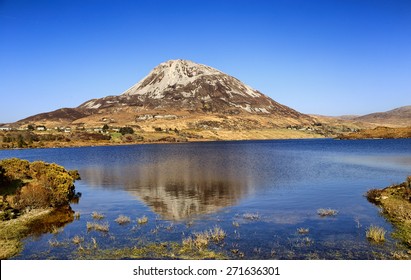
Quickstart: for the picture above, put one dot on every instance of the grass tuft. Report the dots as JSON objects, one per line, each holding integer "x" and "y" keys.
{"x": 217, "y": 234}
{"x": 327, "y": 212}
{"x": 54, "y": 243}
{"x": 122, "y": 220}
{"x": 98, "y": 227}
{"x": 201, "y": 240}
{"x": 97, "y": 216}
{"x": 376, "y": 234}
{"x": 77, "y": 239}
{"x": 236, "y": 224}
{"x": 303, "y": 230}
{"x": 143, "y": 220}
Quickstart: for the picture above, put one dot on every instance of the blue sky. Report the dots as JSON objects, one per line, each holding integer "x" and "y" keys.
{"x": 329, "y": 57}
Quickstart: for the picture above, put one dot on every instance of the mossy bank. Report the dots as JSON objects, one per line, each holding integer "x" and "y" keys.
{"x": 395, "y": 202}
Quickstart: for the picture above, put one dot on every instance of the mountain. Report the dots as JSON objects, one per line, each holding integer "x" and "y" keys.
{"x": 398, "y": 117}
{"x": 190, "y": 95}
{"x": 184, "y": 85}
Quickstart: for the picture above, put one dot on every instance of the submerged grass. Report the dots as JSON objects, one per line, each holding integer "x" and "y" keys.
{"x": 163, "y": 250}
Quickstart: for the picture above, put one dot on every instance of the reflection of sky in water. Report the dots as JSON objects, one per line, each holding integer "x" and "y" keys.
{"x": 377, "y": 161}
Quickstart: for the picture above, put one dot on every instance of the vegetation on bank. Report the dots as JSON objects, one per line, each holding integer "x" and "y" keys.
{"x": 17, "y": 139}
{"x": 395, "y": 202}
{"x": 34, "y": 197}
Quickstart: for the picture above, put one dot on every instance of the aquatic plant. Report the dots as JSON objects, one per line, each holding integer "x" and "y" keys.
{"x": 98, "y": 227}
{"x": 308, "y": 241}
{"x": 327, "y": 212}
{"x": 303, "y": 230}
{"x": 54, "y": 243}
{"x": 77, "y": 239}
{"x": 121, "y": 220}
{"x": 217, "y": 234}
{"x": 375, "y": 233}
{"x": 97, "y": 216}
{"x": 201, "y": 240}
{"x": 143, "y": 220}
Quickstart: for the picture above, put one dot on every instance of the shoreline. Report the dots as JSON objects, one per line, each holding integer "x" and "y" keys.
{"x": 160, "y": 143}
{"x": 90, "y": 145}
{"x": 395, "y": 202}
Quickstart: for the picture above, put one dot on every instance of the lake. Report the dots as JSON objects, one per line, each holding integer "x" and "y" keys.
{"x": 259, "y": 192}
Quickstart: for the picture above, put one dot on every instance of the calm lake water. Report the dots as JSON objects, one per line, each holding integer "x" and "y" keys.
{"x": 188, "y": 188}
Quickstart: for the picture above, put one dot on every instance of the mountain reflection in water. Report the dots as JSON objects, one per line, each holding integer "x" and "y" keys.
{"x": 179, "y": 187}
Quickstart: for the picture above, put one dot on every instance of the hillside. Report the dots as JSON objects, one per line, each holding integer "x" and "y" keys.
{"x": 398, "y": 117}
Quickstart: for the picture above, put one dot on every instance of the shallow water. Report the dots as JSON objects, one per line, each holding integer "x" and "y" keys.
{"x": 187, "y": 188}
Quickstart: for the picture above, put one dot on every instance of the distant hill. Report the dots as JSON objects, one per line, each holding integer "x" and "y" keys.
{"x": 398, "y": 117}
{"x": 63, "y": 115}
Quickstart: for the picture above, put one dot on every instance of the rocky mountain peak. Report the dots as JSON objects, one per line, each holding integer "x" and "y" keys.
{"x": 177, "y": 74}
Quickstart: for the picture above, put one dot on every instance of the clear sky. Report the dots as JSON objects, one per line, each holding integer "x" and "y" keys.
{"x": 329, "y": 57}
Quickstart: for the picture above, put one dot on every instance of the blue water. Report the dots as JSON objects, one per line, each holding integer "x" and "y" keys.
{"x": 187, "y": 188}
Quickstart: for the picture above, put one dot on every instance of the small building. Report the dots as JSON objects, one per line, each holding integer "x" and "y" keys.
{"x": 41, "y": 128}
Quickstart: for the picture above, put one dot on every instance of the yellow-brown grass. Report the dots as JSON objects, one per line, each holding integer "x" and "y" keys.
{"x": 143, "y": 220}
{"x": 97, "y": 216}
{"x": 98, "y": 227}
{"x": 376, "y": 234}
{"x": 121, "y": 220}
